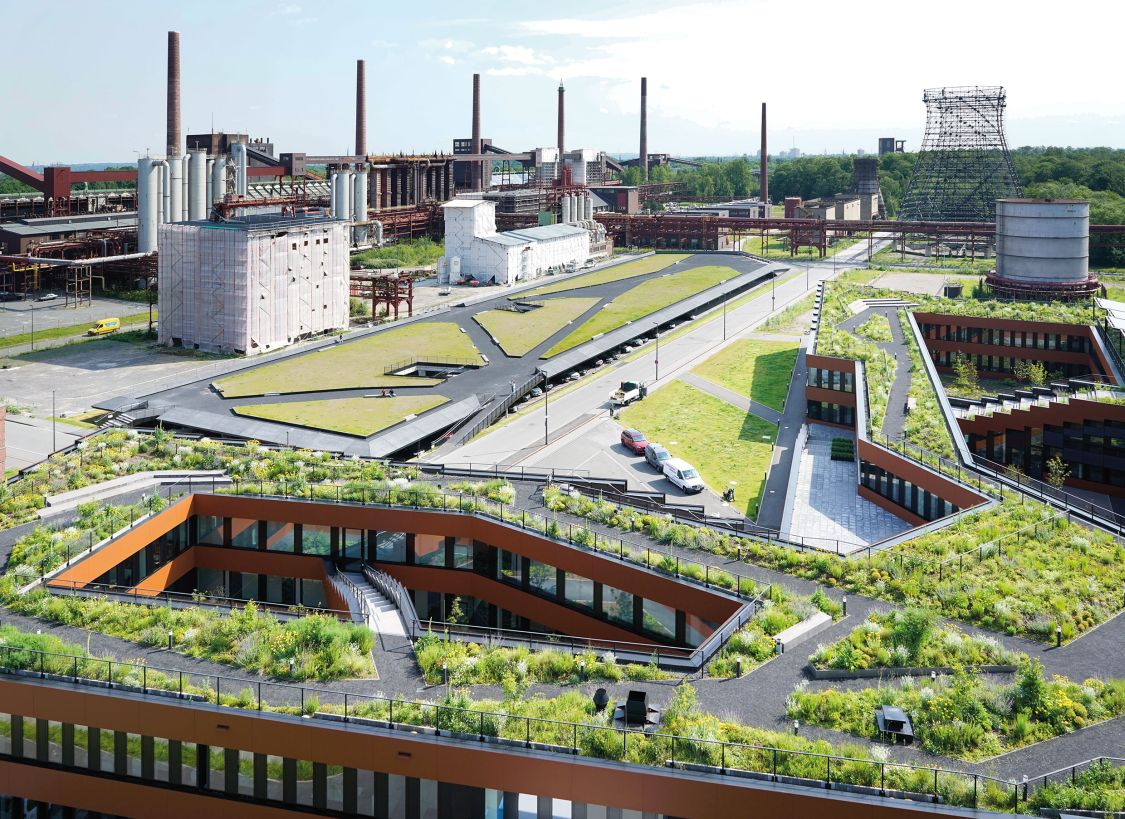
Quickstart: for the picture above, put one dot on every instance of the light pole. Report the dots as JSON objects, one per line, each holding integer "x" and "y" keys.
{"x": 657, "y": 353}
{"x": 33, "y": 329}
{"x": 724, "y": 318}
{"x": 54, "y": 442}
{"x": 546, "y": 415}
{"x": 773, "y": 293}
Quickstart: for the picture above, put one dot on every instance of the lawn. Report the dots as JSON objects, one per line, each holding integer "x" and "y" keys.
{"x": 351, "y": 416}
{"x": 640, "y": 267}
{"x": 647, "y": 297}
{"x": 519, "y": 333}
{"x": 729, "y": 447}
{"x": 759, "y": 369}
{"x": 355, "y": 364}
{"x": 69, "y": 330}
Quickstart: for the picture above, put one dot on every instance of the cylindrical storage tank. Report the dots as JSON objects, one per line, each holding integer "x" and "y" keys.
{"x": 589, "y": 214}
{"x": 1043, "y": 240}
{"x": 210, "y": 182}
{"x": 359, "y": 198}
{"x": 341, "y": 202}
{"x": 565, "y": 215}
{"x": 239, "y": 156}
{"x": 865, "y": 174}
{"x": 175, "y": 190}
{"x": 186, "y": 196}
{"x": 219, "y": 179}
{"x": 197, "y": 185}
{"x": 148, "y": 203}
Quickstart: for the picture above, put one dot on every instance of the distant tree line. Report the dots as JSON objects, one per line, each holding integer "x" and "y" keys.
{"x": 10, "y": 185}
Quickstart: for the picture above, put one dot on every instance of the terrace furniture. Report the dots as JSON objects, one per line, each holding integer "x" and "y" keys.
{"x": 893, "y": 725}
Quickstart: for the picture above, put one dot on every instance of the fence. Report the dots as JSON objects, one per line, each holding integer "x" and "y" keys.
{"x": 502, "y": 408}
{"x": 438, "y": 361}
{"x": 515, "y": 730}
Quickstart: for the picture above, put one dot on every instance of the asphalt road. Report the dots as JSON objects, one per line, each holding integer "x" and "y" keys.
{"x": 30, "y": 440}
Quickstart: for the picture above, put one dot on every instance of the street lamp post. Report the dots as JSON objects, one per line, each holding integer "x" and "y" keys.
{"x": 773, "y": 293}
{"x": 54, "y": 442}
{"x": 546, "y": 414}
{"x": 657, "y": 353}
{"x": 724, "y": 319}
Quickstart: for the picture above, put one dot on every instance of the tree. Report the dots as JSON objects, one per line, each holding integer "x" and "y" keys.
{"x": 1033, "y": 372}
{"x": 965, "y": 372}
{"x": 1057, "y": 471}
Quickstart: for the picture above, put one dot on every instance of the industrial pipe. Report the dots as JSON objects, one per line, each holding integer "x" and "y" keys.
{"x": 239, "y": 156}
{"x": 149, "y": 177}
{"x": 124, "y": 257}
{"x": 173, "y": 112}
{"x": 197, "y": 188}
{"x": 763, "y": 167}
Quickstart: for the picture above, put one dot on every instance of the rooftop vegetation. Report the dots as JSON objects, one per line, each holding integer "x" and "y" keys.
{"x": 647, "y": 297}
{"x": 910, "y": 638}
{"x": 356, "y": 364}
{"x": 962, "y": 716}
{"x": 351, "y": 416}
{"x": 877, "y": 329}
{"x": 613, "y": 273}
{"x": 519, "y": 333}
{"x": 1017, "y": 568}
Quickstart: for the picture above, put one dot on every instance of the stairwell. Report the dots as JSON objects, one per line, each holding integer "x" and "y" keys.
{"x": 383, "y": 616}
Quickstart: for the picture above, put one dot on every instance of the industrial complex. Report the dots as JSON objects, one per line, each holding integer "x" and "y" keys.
{"x": 502, "y": 483}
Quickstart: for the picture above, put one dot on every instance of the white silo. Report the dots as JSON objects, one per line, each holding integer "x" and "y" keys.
{"x": 197, "y": 185}
{"x": 1043, "y": 241}
{"x": 565, "y": 214}
{"x": 219, "y": 179}
{"x": 341, "y": 195}
{"x": 589, "y": 207}
{"x": 175, "y": 193}
{"x": 359, "y": 198}
{"x": 148, "y": 202}
{"x": 239, "y": 157}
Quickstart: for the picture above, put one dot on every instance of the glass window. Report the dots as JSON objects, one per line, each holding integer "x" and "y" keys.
{"x": 508, "y": 567}
{"x": 391, "y": 547}
{"x": 697, "y": 630}
{"x": 618, "y": 605}
{"x": 244, "y": 533}
{"x": 579, "y": 590}
{"x": 544, "y": 578}
{"x": 209, "y": 529}
{"x": 352, "y": 545}
{"x": 463, "y": 553}
{"x": 316, "y": 539}
{"x": 312, "y": 594}
{"x": 429, "y": 550}
{"x": 280, "y": 537}
{"x": 659, "y": 619}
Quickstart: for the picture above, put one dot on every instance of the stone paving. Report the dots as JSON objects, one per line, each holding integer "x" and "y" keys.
{"x": 826, "y": 504}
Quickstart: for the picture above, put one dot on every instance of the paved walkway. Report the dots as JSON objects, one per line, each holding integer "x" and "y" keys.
{"x": 825, "y": 502}
{"x": 731, "y": 397}
{"x": 895, "y": 419}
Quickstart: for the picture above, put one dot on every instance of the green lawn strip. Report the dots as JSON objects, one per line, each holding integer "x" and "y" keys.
{"x": 519, "y": 333}
{"x": 351, "y": 416}
{"x": 356, "y": 364}
{"x": 70, "y": 330}
{"x": 910, "y": 638}
{"x": 647, "y": 297}
{"x": 963, "y": 717}
{"x": 877, "y": 328}
{"x": 618, "y": 272}
{"x": 724, "y": 443}
{"x": 758, "y": 369}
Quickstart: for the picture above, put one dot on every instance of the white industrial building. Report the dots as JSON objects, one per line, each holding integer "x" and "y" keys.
{"x": 252, "y": 284}
{"x": 473, "y": 246}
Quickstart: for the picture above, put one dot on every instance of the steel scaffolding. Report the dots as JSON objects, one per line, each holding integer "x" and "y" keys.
{"x": 963, "y": 166}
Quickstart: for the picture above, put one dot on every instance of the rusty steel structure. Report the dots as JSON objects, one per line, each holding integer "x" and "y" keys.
{"x": 717, "y": 232}
{"x": 389, "y": 290}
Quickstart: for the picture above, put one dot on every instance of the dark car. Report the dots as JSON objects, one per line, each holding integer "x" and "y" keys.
{"x": 656, "y": 455}
{"x": 634, "y": 440}
{"x": 11, "y": 296}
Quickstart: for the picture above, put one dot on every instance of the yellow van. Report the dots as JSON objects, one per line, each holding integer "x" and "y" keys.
{"x": 104, "y": 326}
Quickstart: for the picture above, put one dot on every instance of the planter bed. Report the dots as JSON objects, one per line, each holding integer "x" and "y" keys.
{"x": 871, "y": 673}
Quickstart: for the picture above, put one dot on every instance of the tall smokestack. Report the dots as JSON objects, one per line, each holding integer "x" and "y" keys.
{"x": 763, "y": 168}
{"x": 476, "y": 174}
{"x": 173, "y": 146}
{"x": 562, "y": 120}
{"x": 360, "y": 108}
{"x": 644, "y": 129}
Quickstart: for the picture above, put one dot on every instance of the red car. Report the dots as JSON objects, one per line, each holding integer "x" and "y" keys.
{"x": 634, "y": 441}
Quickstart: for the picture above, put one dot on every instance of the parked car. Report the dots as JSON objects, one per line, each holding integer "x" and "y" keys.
{"x": 683, "y": 475}
{"x": 11, "y": 296}
{"x": 634, "y": 440}
{"x": 656, "y": 455}
{"x": 104, "y": 326}
{"x": 48, "y": 297}
{"x": 535, "y": 393}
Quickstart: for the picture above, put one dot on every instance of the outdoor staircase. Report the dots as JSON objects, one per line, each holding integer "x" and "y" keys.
{"x": 383, "y": 616}
{"x": 1022, "y": 400}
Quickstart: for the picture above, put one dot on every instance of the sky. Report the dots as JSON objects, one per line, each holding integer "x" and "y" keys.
{"x": 88, "y": 78}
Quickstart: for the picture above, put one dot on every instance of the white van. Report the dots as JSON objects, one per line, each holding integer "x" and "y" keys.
{"x": 683, "y": 475}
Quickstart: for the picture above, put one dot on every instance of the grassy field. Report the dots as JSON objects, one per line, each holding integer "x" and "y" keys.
{"x": 720, "y": 440}
{"x": 640, "y": 267}
{"x": 351, "y": 416}
{"x": 758, "y": 369}
{"x": 418, "y": 253}
{"x": 72, "y": 330}
{"x": 647, "y": 297}
{"x": 519, "y": 333}
{"x": 356, "y": 364}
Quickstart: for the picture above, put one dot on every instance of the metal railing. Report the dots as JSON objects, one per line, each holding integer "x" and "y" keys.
{"x": 344, "y": 586}
{"x": 437, "y": 361}
{"x": 494, "y": 414}
{"x": 514, "y": 730}
{"x": 156, "y": 596}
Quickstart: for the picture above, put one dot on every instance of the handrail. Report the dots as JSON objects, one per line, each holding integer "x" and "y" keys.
{"x": 342, "y": 582}
{"x": 441, "y": 361}
{"x": 464, "y": 723}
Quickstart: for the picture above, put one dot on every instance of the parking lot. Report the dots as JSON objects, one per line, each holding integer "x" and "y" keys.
{"x": 18, "y": 317}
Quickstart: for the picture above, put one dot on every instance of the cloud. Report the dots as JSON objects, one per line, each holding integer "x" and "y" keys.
{"x": 383, "y": 44}
{"x": 513, "y": 71}
{"x": 445, "y": 58}
{"x": 517, "y": 54}
{"x": 287, "y": 9}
